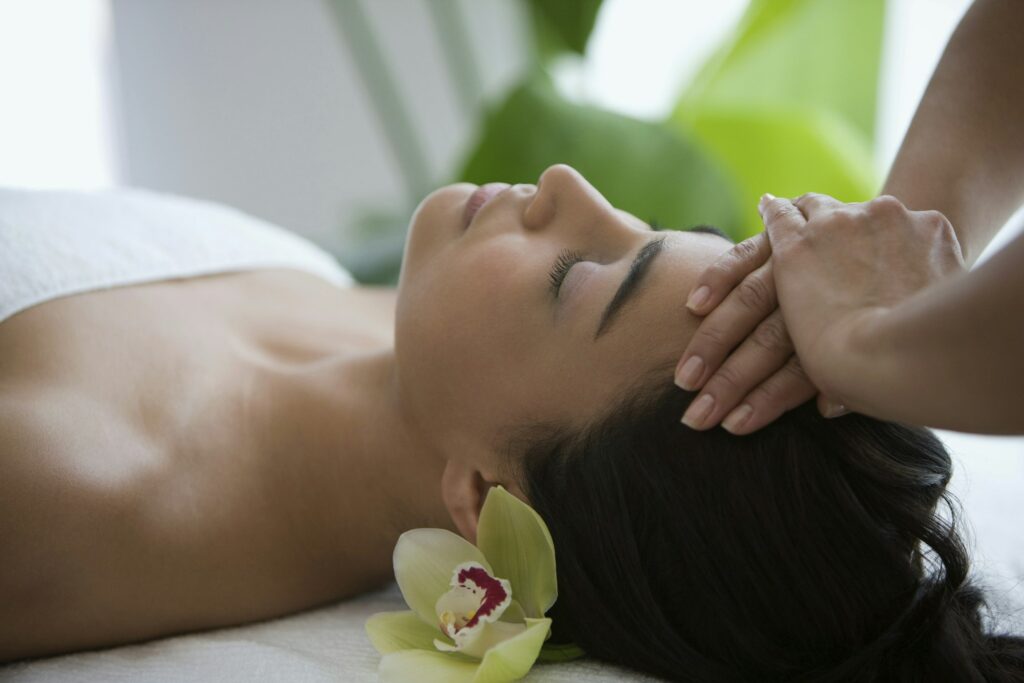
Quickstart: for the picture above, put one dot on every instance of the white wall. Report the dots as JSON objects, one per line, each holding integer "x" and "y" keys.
{"x": 55, "y": 113}
{"x": 257, "y": 103}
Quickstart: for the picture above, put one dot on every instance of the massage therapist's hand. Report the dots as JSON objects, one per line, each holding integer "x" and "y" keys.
{"x": 763, "y": 372}
{"x": 753, "y": 383}
{"x": 839, "y": 268}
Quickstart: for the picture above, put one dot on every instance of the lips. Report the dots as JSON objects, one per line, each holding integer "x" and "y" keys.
{"x": 481, "y": 196}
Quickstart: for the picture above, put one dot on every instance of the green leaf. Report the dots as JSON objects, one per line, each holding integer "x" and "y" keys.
{"x": 787, "y": 152}
{"x": 788, "y": 103}
{"x": 423, "y": 666}
{"x": 511, "y": 659}
{"x": 563, "y": 24}
{"x": 424, "y": 560}
{"x": 641, "y": 167}
{"x": 516, "y": 542}
{"x": 396, "y": 631}
{"x": 562, "y": 652}
{"x": 803, "y": 54}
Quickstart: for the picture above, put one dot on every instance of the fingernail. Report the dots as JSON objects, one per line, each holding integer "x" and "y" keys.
{"x": 698, "y": 297}
{"x": 766, "y": 197}
{"x": 835, "y": 410}
{"x": 699, "y": 411}
{"x": 737, "y": 418}
{"x": 687, "y": 376}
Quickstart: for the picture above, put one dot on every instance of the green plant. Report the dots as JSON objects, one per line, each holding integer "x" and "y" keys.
{"x": 785, "y": 105}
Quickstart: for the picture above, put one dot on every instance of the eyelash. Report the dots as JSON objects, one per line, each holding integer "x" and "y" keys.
{"x": 568, "y": 258}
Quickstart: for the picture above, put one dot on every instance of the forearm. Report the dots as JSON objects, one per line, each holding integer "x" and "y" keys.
{"x": 964, "y": 151}
{"x": 951, "y": 356}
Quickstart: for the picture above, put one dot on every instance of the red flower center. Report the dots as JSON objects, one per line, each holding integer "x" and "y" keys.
{"x": 494, "y": 593}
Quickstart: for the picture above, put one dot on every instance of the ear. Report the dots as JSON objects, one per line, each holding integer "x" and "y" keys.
{"x": 463, "y": 489}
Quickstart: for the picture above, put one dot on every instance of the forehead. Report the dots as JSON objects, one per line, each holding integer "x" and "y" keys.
{"x": 653, "y": 329}
{"x": 660, "y": 306}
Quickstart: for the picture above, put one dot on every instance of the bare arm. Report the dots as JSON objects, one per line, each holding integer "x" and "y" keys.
{"x": 963, "y": 154}
{"x": 951, "y": 356}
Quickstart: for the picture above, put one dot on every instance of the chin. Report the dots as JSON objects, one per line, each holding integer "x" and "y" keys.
{"x": 437, "y": 221}
{"x": 443, "y": 205}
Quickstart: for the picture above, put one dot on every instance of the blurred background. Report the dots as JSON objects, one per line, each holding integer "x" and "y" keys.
{"x": 333, "y": 118}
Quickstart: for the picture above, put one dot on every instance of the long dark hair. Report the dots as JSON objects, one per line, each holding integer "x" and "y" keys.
{"x": 810, "y": 550}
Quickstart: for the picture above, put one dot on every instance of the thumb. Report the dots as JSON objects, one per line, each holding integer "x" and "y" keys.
{"x": 783, "y": 221}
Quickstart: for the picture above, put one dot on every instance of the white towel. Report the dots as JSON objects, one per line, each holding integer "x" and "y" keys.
{"x": 55, "y": 243}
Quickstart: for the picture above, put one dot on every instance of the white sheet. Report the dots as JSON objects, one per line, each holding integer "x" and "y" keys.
{"x": 55, "y": 243}
{"x": 329, "y": 644}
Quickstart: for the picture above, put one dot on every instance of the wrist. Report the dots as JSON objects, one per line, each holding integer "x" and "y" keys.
{"x": 868, "y": 363}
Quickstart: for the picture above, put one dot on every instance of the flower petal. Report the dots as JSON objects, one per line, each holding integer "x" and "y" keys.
{"x": 425, "y": 667}
{"x": 455, "y": 608}
{"x": 513, "y": 613}
{"x": 476, "y": 641}
{"x": 518, "y": 545}
{"x": 512, "y": 659}
{"x": 424, "y": 560}
{"x": 395, "y": 631}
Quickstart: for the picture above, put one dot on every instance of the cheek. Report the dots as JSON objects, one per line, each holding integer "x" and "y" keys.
{"x": 492, "y": 315}
{"x": 466, "y": 334}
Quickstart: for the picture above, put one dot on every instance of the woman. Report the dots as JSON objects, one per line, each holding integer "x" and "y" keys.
{"x": 212, "y": 450}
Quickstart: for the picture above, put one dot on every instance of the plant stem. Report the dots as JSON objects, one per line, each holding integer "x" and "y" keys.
{"x": 357, "y": 33}
{"x": 458, "y": 52}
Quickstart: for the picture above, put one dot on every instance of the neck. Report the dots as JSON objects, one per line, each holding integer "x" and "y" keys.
{"x": 381, "y": 476}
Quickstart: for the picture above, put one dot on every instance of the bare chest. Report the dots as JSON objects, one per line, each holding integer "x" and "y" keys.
{"x": 152, "y": 394}
{"x": 158, "y": 355}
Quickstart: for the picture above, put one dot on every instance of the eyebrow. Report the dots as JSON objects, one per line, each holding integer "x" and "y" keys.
{"x": 630, "y": 284}
{"x": 709, "y": 229}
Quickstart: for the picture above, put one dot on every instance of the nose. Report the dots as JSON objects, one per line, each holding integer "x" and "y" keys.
{"x": 561, "y": 192}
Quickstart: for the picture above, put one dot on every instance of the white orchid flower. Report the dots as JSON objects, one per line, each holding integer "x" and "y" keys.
{"x": 477, "y": 612}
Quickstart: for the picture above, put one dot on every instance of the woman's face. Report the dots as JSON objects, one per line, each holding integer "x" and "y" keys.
{"x": 483, "y": 342}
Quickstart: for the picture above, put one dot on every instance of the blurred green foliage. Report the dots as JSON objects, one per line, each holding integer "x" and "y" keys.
{"x": 788, "y": 102}
{"x": 785, "y": 105}
{"x": 562, "y": 24}
{"x": 535, "y": 127}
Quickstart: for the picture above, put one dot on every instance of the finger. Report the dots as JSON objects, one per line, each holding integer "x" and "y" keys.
{"x": 759, "y": 357}
{"x": 727, "y": 325}
{"x": 813, "y": 204}
{"x": 783, "y": 222}
{"x": 727, "y": 271}
{"x": 780, "y": 393}
{"x": 829, "y": 408}
{"x": 942, "y": 233}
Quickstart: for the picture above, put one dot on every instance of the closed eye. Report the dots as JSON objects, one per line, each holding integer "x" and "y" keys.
{"x": 567, "y": 258}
